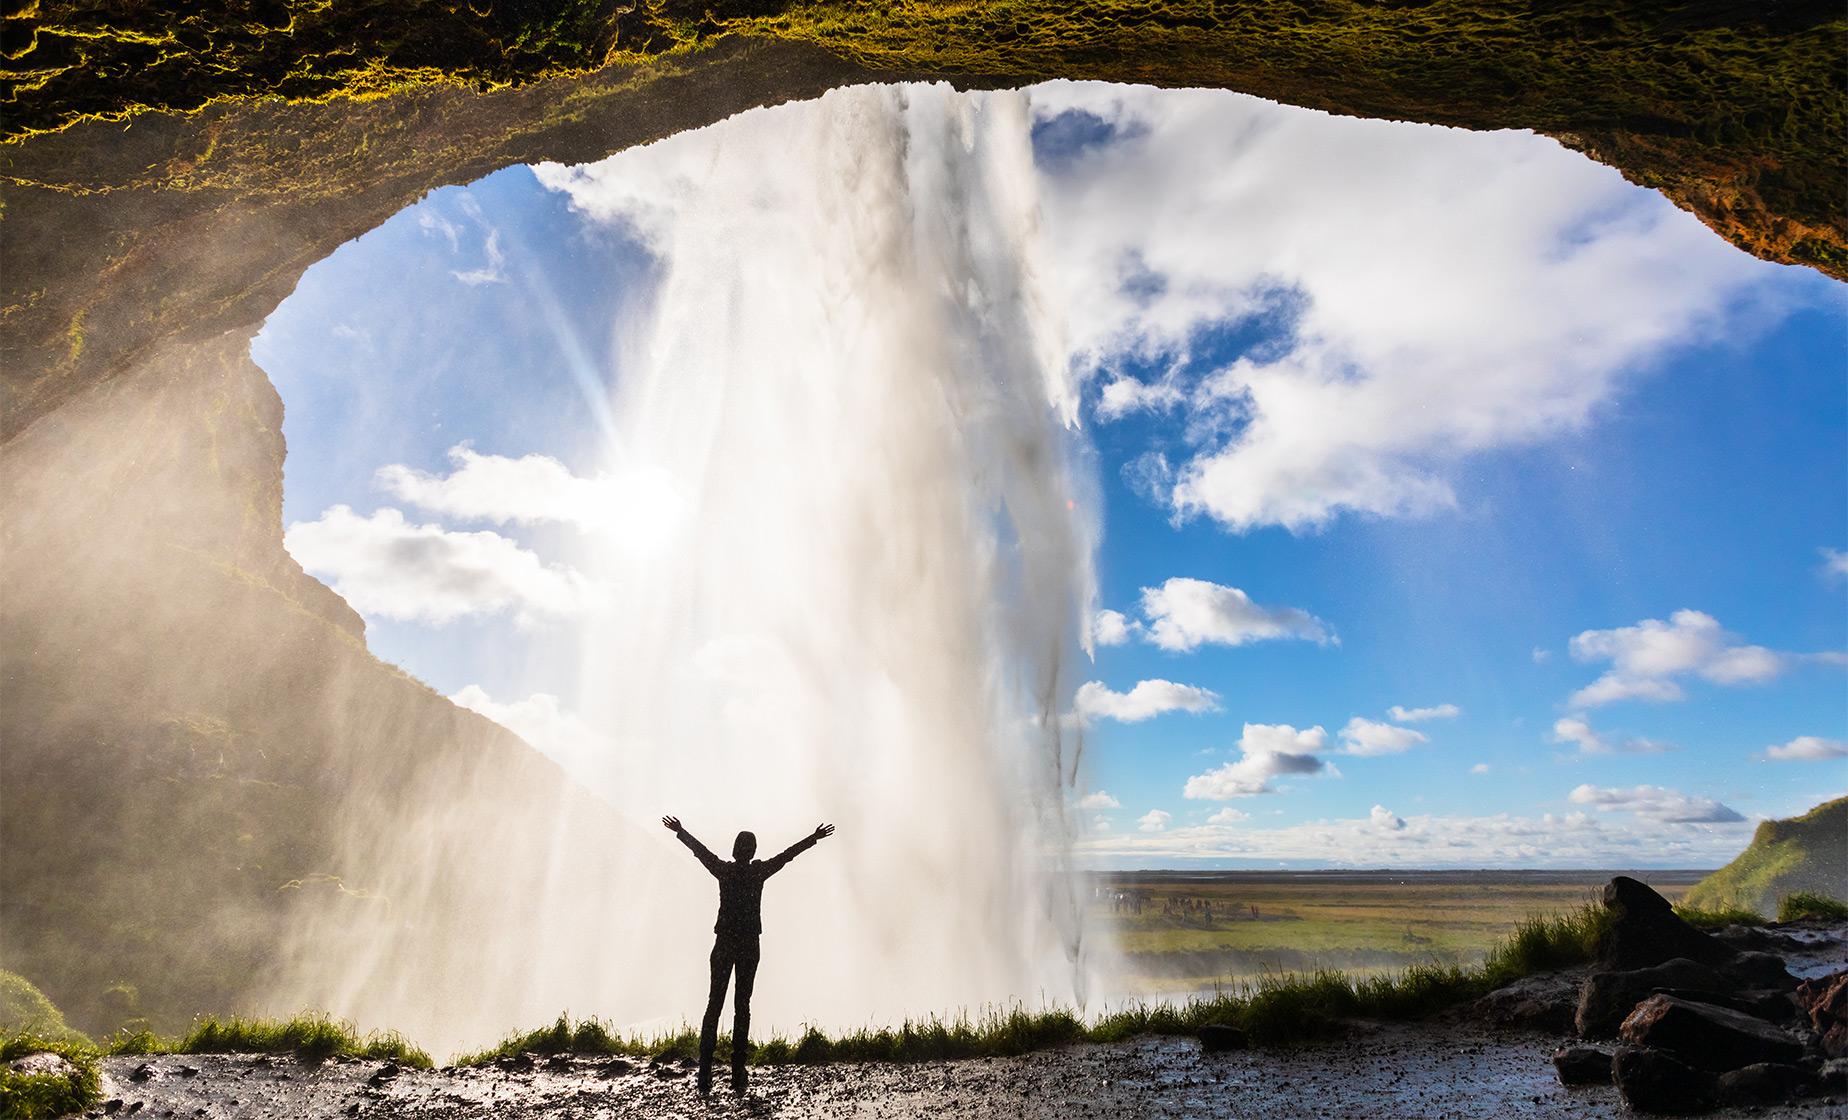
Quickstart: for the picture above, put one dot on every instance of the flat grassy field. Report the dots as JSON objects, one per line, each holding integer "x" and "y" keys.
{"x": 1188, "y": 932}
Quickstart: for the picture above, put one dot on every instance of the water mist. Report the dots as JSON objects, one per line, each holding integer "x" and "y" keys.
{"x": 847, "y": 570}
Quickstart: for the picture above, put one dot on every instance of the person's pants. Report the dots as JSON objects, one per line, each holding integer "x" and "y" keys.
{"x": 741, "y": 956}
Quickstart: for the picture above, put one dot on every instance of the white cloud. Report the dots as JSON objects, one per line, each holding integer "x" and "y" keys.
{"x": 1656, "y": 803}
{"x": 1268, "y": 751}
{"x": 387, "y": 567}
{"x": 1541, "y": 656}
{"x": 1100, "y": 824}
{"x": 540, "y": 720}
{"x": 1155, "y": 820}
{"x": 1577, "y": 839}
{"x": 1228, "y": 815}
{"x": 431, "y": 222}
{"x": 1479, "y": 768}
{"x": 1419, "y": 715}
{"x": 1808, "y": 748}
{"x": 1579, "y": 732}
{"x": 1647, "y": 658}
{"x": 1470, "y": 291}
{"x": 1111, "y": 628}
{"x": 1125, "y": 395}
{"x": 1185, "y": 613}
{"x": 1095, "y": 701}
{"x": 1099, "y": 800}
{"x": 639, "y": 505}
{"x": 1383, "y": 818}
{"x": 1366, "y": 737}
{"x": 492, "y": 272}
{"x": 1834, "y": 562}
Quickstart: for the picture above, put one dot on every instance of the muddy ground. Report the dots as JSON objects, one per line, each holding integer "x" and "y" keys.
{"x": 1454, "y": 1067}
{"x": 1445, "y": 1070}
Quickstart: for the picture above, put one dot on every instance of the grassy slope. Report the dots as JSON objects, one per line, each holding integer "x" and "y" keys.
{"x": 1806, "y": 853}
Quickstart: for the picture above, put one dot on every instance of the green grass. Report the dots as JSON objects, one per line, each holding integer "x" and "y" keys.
{"x": 311, "y": 1038}
{"x": 1701, "y": 917}
{"x": 1810, "y": 904}
{"x": 24, "y": 1010}
{"x": 32, "y": 1096}
{"x": 1799, "y": 855}
{"x": 1275, "y": 1010}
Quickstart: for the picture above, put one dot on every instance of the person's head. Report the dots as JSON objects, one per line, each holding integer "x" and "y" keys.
{"x": 744, "y": 847}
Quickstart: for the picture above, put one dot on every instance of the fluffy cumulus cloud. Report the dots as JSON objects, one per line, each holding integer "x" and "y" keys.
{"x": 1649, "y": 660}
{"x": 1183, "y": 614}
{"x": 1146, "y": 700}
{"x": 1577, "y": 731}
{"x": 1099, "y": 799}
{"x": 1370, "y": 737}
{"x": 1384, "y": 839}
{"x": 1398, "y": 307}
{"x": 640, "y": 505}
{"x": 1155, "y": 820}
{"x": 1267, "y": 751}
{"x": 1228, "y": 815}
{"x": 1808, "y": 748}
{"x": 1419, "y": 715}
{"x": 1112, "y": 628}
{"x": 1656, "y": 803}
{"x": 542, "y": 721}
{"x": 388, "y": 567}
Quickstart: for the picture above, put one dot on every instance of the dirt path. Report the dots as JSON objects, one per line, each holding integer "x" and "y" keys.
{"x": 1391, "y": 1071}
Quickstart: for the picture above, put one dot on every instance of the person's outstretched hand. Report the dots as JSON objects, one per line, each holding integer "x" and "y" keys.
{"x": 671, "y": 823}
{"x": 823, "y": 831}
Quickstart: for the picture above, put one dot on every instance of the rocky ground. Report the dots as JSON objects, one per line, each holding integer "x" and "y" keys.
{"x": 1669, "y": 1019}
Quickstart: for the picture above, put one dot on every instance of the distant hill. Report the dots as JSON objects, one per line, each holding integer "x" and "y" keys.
{"x": 1806, "y": 853}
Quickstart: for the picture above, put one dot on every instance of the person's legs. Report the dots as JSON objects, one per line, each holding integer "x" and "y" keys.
{"x": 741, "y": 1011}
{"x": 715, "y": 1001}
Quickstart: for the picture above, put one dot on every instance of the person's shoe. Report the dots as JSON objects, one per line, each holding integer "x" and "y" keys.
{"x": 704, "y": 1082}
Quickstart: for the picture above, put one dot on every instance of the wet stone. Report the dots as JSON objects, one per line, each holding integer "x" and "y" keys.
{"x": 1218, "y": 1038}
{"x": 1583, "y": 1065}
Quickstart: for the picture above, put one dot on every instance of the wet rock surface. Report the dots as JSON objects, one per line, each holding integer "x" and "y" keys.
{"x": 1708, "y": 1036}
{"x": 1435, "y": 1070}
{"x": 1824, "y": 1001}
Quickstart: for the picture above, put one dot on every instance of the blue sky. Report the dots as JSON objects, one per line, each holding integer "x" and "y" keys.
{"x": 1436, "y": 404}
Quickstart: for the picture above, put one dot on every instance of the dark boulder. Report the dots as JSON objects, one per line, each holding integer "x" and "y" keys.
{"x": 1645, "y": 931}
{"x": 1769, "y": 1004}
{"x": 1656, "y": 1082}
{"x": 1710, "y": 1037}
{"x": 1767, "y": 1083}
{"x": 1583, "y": 1065}
{"x": 1607, "y": 998}
{"x": 1543, "y": 1002}
{"x": 1217, "y": 1038}
{"x": 1760, "y": 970}
{"x": 1824, "y": 1002}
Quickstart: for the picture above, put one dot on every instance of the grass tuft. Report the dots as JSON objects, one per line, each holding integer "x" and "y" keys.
{"x": 1279, "y": 1010}
{"x": 43, "y": 1095}
{"x": 1811, "y": 904}
{"x": 1701, "y": 917}
{"x": 311, "y": 1038}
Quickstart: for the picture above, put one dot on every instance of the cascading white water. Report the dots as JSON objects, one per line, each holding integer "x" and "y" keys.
{"x": 857, "y": 588}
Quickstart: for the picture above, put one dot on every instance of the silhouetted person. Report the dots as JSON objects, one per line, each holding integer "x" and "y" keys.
{"x": 741, "y": 894}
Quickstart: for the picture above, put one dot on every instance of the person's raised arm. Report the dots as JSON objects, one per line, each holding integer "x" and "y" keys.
{"x": 775, "y": 863}
{"x": 705, "y": 855}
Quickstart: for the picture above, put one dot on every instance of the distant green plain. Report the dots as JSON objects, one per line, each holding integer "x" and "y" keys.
{"x": 1362, "y": 923}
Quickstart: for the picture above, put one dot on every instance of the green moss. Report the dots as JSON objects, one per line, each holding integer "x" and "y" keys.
{"x": 24, "y": 1010}
{"x": 32, "y": 1096}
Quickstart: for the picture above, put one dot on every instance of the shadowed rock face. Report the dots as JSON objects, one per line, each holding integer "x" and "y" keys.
{"x": 193, "y": 726}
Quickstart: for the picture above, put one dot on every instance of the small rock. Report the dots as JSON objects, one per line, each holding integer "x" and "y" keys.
{"x": 189, "y": 1071}
{"x": 1217, "y": 1038}
{"x": 1583, "y": 1065}
{"x": 42, "y": 1063}
{"x": 1767, "y": 1083}
{"x": 519, "y": 1063}
{"x": 386, "y": 1074}
{"x": 143, "y": 1072}
{"x": 1712, "y": 1038}
{"x": 617, "y": 1067}
{"x": 1654, "y": 1081}
{"x": 558, "y": 1062}
{"x": 1760, "y": 970}
{"x": 112, "y": 1106}
{"x": 1542, "y": 1003}
{"x": 668, "y": 1073}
